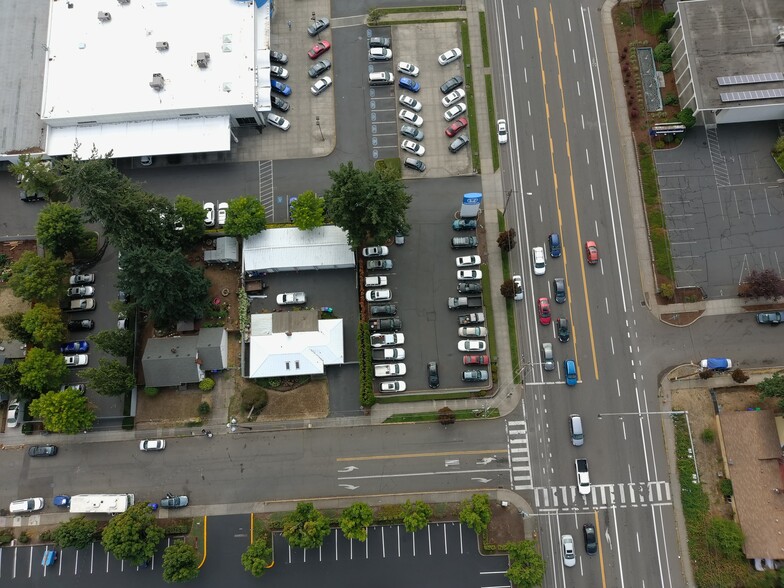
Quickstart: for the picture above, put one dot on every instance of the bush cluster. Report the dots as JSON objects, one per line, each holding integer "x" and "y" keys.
{"x": 366, "y": 396}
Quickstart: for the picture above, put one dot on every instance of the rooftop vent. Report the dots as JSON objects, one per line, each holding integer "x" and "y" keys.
{"x": 162, "y": 45}
{"x": 157, "y": 82}
{"x": 121, "y": 2}
{"x": 202, "y": 59}
{"x": 780, "y": 37}
{"x": 104, "y": 16}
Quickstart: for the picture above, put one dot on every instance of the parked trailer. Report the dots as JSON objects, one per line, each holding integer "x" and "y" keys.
{"x": 101, "y": 503}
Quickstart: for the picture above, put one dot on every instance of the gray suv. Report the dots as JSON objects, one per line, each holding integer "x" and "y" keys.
{"x": 464, "y": 242}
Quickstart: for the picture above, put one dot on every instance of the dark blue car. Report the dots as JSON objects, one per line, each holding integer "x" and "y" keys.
{"x": 555, "y": 245}
{"x": 75, "y": 347}
{"x": 280, "y": 87}
{"x": 409, "y": 84}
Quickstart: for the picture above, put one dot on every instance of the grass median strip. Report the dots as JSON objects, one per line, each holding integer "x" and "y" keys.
{"x": 491, "y": 117}
{"x": 510, "y": 322}
{"x": 460, "y": 415}
{"x": 485, "y": 44}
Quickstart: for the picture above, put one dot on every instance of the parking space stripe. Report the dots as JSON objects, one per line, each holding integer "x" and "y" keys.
{"x": 460, "y": 532}
{"x": 398, "y": 542}
{"x": 429, "y": 542}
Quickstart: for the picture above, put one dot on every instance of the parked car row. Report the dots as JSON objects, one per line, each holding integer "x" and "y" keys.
{"x": 209, "y": 214}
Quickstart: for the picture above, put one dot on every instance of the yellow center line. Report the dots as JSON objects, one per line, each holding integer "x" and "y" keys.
{"x": 416, "y": 455}
{"x": 599, "y": 543}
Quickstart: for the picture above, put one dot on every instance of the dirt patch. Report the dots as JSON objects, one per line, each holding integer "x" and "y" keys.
{"x": 225, "y": 283}
{"x": 169, "y": 408}
{"x": 12, "y": 250}
{"x": 309, "y": 401}
{"x": 506, "y": 525}
{"x": 681, "y": 319}
{"x": 10, "y": 304}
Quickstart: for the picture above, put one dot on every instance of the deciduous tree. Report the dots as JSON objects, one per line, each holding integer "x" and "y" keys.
{"x": 306, "y": 527}
{"x": 66, "y": 412}
{"x": 354, "y": 521}
{"x": 475, "y": 513}
{"x": 34, "y": 174}
{"x": 77, "y": 533}
{"x": 772, "y": 387}
{"x": 245, "y": 217}
{"x": 110, "y": 378}
{"x": 507, "y": 289}
{"x": 180, "y": 563}
{"x": 446, "y": 416}
{"x": 762, "y": 284}
{"x": 45, "y": 325}
{"x": 507, "y": 240}
{"x": 307, "y": 212}
{"x": 42, "y": 370}
{"x": 118, "y": 342}
{"x": 416, "y": 515}
{"x": 10, "y": 382}
{"x": 60, "y": 228}
{"x": 526, "y": 566}
{"x": 257, "y": 558}
{"x": 190, "y": 215}
{"x": 37, "y": 278}
{"x": 133, "y": 535}
{"x": 12, "y": 323}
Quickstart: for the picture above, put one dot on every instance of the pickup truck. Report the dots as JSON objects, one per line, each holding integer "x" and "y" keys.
{"x": 388, "y": 354}
{"x": 385, "y": 370}
{"x": 385, "y": 325}
{"x": 387, "y": 339}
{"x": 719, "y": 364}
{"x": 79, "y": 305}
{"x": 471, "y": 319}
{"x": 291, "y": 298}
{"x": 583, "y": 477}
{"x": 465, "y": 302}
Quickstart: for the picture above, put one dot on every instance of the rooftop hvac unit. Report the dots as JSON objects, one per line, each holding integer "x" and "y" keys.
{"x": 780, "y": 38}
{"x": 162, "y": 45}
{"x": 123, "y": 2}
{"x": 202, "y": 59}
{"x": 157, "y": 82}
{"x": 104, "y": 16}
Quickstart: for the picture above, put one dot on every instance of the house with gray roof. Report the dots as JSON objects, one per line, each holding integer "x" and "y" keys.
{"x": 182, "y": 360}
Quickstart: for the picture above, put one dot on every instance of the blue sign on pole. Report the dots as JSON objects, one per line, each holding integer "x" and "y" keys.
{"x": 472, "y": 198}
{"x": 471, "y": 204}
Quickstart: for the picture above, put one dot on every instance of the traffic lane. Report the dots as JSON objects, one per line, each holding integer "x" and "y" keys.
{"x": 228, "y": 536}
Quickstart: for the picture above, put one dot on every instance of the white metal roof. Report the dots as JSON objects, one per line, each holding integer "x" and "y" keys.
{"x": 289, "y": 249}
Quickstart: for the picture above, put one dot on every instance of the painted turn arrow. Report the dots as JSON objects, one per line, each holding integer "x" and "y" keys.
{"x": 348, "y": 486}
{"x": 347, "y": 469}
{"x": 481, "y": 480}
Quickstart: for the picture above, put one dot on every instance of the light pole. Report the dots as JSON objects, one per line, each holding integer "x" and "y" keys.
{"x": 233, "y": 426}
{"x": 509, "y": 195}
{"x": 318, "y": 124}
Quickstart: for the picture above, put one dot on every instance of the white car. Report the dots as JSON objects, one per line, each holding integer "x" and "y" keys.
{"x": 393, "y": 386}
{"x": 411, "y": 117}
{"x": 26, "y": 505}
{"x": 279, "y": 72}
{"x": 78, "y": 360}
{"x": 408, "y": 68}
{"x": 81, "y": 279}
{"x": 409, "y": 102}
{"x": 278, "y": 122}
{"x": 472, "y": 332}
{"x": 567, "y": 550}
{"x": 321, "y": 85}
{"x": 375, "y": 251}
{"x": 412, "y": 147}
{"x": 468, "y": 261}
{"x": 152, "y": 445}
{"x": 469, "y": 275}
{"x": 453, "y": 97}
{"x": 379, "y": 54}
{"x": 450, "y": 56}
{"x": 209, "y": 217}
{"x": 387, "y": 339}
{"x": 518, "y": 287}
{"x": 12, "y": 415}
{"x": 539, "y": 261}
{"x": 288, "y": 298}
{"x": 375, "y": 281}
{"x": 583, "y": 478}
{"x": 80, "y": 291}
{"x": 223, "y": 209}
{"x": 503, "y": 134}
{"x": 378, "y": 295}
{"x": 455, "y": 111}
{"x": 471, "y": 345}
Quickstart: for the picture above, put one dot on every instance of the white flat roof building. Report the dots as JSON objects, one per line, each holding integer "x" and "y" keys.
{"x": 288, "y": 249}
{"x": 150, "y": 77}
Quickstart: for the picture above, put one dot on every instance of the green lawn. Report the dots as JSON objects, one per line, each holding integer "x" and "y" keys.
{"x": 460, "y": 415}
{"x": 491, "y": 116}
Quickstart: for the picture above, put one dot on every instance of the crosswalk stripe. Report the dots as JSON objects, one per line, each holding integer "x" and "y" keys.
{"x": 517, "y": 431}
{"x": 518, "y": 440}
{"x": 519, "y": 450}
{"x": 516, "y": 423}
{"x": 603, "y": 495}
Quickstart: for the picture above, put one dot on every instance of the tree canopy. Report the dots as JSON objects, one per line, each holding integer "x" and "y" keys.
{"x": 416, "y": 515}
{"x": 45, "y": 325}
{"x": 12, "y": 323}
{"x": 772, "y": 387}
{"x": 368, "y": 206}
{"x": 475, "y": 513}
{"x": 118, "y": 342}
{"x": 180, "y": 563}
{"x": 77, "y": 533}
{"x": 34, "y": 174}
{"x": 133, "y": 535}
{"x": 42, "y": 370}
{"x": 190, "y": 216}
{"x": 307, "y": 211}
{"x": 257, "y": 558}
{"x": 526, "y": 566}
{"x": 306, "y": 527}
{"x": 762, "y": 284}
{"x": 37, "y": 278}
{"x": 11, "y": 382}
{"x": 355, "y": 520}
{"x": 110, "y": 378}
{"x": 245, "y": 217}
{"x": 66, "y": 412}
{"x": 59, "y": 228}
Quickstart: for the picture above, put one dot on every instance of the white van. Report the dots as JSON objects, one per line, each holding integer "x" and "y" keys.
{"x": 576, "y": 430}
{"x": 26, "y": 505}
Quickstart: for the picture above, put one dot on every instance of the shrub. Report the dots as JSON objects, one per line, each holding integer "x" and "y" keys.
{"x": 662, "y": 52}
{"x": 686, "y": 118}
{"x": 634, "y": 113}
{"x": 204, "y": 408}
{"x": 24, "y": 537}
{"x": 254, "y": 398}
{"x": 706, "y": 374}
{"x": 151, "y": 392}
{"x": 665, "y": 66}
{"x": 6, "y": 536}
{"x": 708, "y": 435}
{"x": 670, "y": 99}
{"x": 47, "y": 536}
{"x": 726, "y": 537}
{"x": 667, "y": 290}
{"x": 128, "y": 423}
{"x": 739, "y": 376}
{"x": 725, "y": 487}
{"x": 206, "y": 384}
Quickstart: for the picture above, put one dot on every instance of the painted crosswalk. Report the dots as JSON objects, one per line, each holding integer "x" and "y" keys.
{"x": 517, "y": 434}
{"x": 604, "y": 495}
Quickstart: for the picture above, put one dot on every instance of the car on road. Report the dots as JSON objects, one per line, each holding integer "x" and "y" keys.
{"x": 543, "y": 310}
{"x": 42, "y": 451}
{"x": 81, "y": 279}
{"x": 455, "y": 111}
{"x": 456, "y": 127}
{"x": 280, "y": 72}
{"x": 412, "y": 133}
{"x": 319, "y": 68}
{"x": 503, "y": 133}
{"x": 387, "y": 339}
{"x": 432, "y": 374}
{"x": 410, "y": 117}
{"x": 410, "y": 102}
{"x": 280, "y": 87}
{"x": 554, "y": 242}
{"x": 152, "y": 445}
{"x": 209, "y": 214}
{"x": 82, "y": 325}
{"x": 381, "y": 295}
{"x": 453, "y": 97}
{"x": 589, "y": 536}
{"x": 408, "y": 68}
{"x": 469, "y": 275}
{"x": 570, "y": 372}
{"x": 475, "y": 376}
{"x": 719, "y": 364}
{"x": 318, "y": 25}
{"x": 471, "y": 345}
{"x": 412, "y": 147}
{"x": 26, "y": 505}
{"x": 458, "y": 143}
{"x": 517, "y": 283}
{"x": 75, "y": 347}
{"x": 563, "y": 329}
{"x": 279, "y": 57}
{"x": 375, "y": 281}
{"x": 383, "y": 310}
{"x": 375, "y": 251}
{"x": 769, "y": 318}
{"x": 81, "y": 291}
{"x": 12, "y": 414}
{"x": 409, "y": 84}
{"x": 414, "y": 163}
{"x": 380, "y": 42}
{"x": 576, "y": 430}
{"x": 559, "y": 289}
{"x": 174, "y": 502}
{"x": 591, "y": 252}
{"x": 472, "y": 332}
{"x": 223, "y": 211}
{"x": 278, "y": 121}
{"x": 464, "y": 224}
{"x": 393, "y": 386}
{"x": 379, "y": 54}
{"x": 476, "y": 360}
{"x": 449, "y": 56}
{"x": 548, "y": 359}
{"x": 321, "y": 85}
{"x": 279, "y": 103}
{"x": 79, "y": 360}
{"x": 319, "y": 49}
{"x": 539, "y": 261}
{"x": 567, "y": 551}
{"x": 583, "y": 477}
{"x": 451, "y": 84}
{"x": 379, "y": 264}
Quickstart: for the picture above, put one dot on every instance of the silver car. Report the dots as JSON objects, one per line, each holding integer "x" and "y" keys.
{"x": 548, "y": 359}
{"x": 152, "y": 445}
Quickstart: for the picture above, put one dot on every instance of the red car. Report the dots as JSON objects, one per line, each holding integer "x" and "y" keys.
{"x": 476, "y": 359}
{"x": 591, "y": 252}
{"x": 543, "y": 308}
{"x": 456, "y": 126}
{"x": 318, "y": 49}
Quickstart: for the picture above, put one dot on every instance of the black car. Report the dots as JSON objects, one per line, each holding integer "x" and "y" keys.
{"x": 83, "y": 325}
{"x": 319, "y": 68}
{"x": 589, "y": 534}
{"x": 451, "y": 84}
{"x": 432, "y": 374}
{"x": 42, "y": 451}
{"x": 769, "y": 318}
{"x": 278, "y": 57}
{"x": 559, "y": 287}
{"x": 380, "y": 42}
{"x": 383, "y": 310}
{"x": 279, "y": 103}
{"x": 562, "y": 326}
{"x": 414, "y": 163}
{"x": 25, "y": 197}
{"x": 469, "y": 288}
